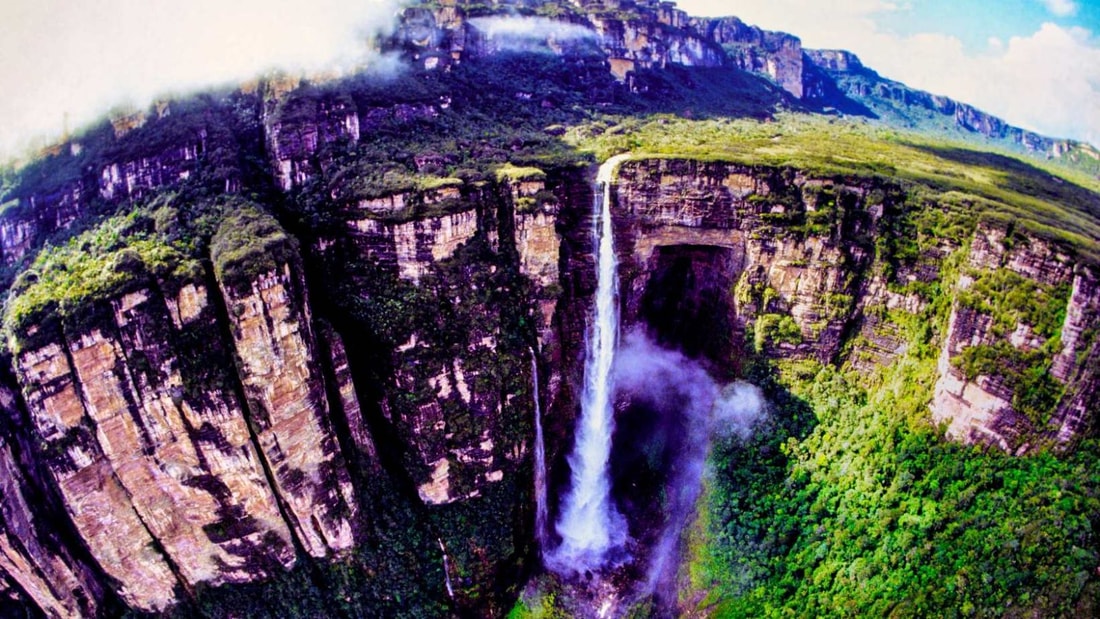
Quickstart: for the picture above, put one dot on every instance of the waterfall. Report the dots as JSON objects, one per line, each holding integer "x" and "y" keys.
{"x": 542, "y": 516}
{"x": 590, "y": 525}
{"x": 446, "y": 569}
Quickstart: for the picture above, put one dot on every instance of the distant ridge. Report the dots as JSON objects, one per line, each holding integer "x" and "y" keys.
{"x": 652, "y": 34}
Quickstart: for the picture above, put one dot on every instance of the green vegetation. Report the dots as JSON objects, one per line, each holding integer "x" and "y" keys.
{"x": 121, "y": 255}
{"x": 1056, "y": 203}
{"x": 861, "y": 509}
{"x": 847, "y": 504}
{"x": 873, "y": 515}
{"x": 774, "y": 329}
{"x": 1011, "y": 299}
{"x": 249, "y": 243}
{"x": 509, "y": 172}
{"x": 543, "y": 606}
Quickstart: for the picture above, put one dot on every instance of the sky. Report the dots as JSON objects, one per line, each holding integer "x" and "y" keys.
{"x": 1036, "y": 63}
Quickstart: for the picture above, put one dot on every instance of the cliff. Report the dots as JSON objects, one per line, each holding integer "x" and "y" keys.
{"x": 221, "y": 472}
{"x": 641, "y": 35}
{"x": 841, "y": 78}
{"x": 1014, "y": 369}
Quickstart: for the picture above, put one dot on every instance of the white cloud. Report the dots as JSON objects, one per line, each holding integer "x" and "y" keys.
{"x": 1061, "y": 8}
{"x": 1048, "y": 82}
{"x": 81, "y": 58}
{"x": 78, "y": 59}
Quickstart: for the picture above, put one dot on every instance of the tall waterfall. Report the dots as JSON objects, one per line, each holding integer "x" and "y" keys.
{"x": 590, "y": 525}
{"x": 542, "y": 512}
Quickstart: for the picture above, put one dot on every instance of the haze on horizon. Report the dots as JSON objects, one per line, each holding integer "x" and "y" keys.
{"x": 1035, "y": 63}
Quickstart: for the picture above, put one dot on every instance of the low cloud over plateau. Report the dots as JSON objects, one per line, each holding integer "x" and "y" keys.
{"x": 68, "y": 62}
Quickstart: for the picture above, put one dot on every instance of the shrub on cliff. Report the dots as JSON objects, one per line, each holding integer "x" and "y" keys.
{"x": 248, "y": 243}
{"x": 65, "y": 281}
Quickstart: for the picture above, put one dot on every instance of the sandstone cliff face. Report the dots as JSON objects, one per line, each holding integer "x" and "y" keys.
{"x": 413, "y": 247}
{"x": 632, "y": 35}
{"x": 132, "y": 179}
{"x": 201, "y": 433}
{"x": 988, "y": 400}
{"x": 844, "y": 70}
{"x": 198, "y": 143}
{"x": 672, "y": 205}
{"x": 448, "y": 400}
{"x": 297, "y": 126}
{"x": 32, "y": 553}
{"x": 32, "y": 216}
{"x": 640, "y": 43}
{"x": 288, "y": 407}
{"x": 775, "y": 54}
{"x": 176, "y": 471}
{"x": 160, "y": 477}
{"x": 1016, "y": 367}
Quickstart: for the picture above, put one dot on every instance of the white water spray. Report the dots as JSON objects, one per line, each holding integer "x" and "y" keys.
{"x": 542, "y": 512}
{"x": 446, "y": 569}
{"x": 590, "y": 526}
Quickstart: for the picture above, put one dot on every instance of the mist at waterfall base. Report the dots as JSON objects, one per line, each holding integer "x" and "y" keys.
{"x": 669, "y": 410}
{"x": 675, "y": 408}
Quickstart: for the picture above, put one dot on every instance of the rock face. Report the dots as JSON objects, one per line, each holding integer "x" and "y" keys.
{"x": 456, "y": 414}
{"x": 203, "y": 430}
{"x": 844, "y": 73}
{"x": 301, "y": 124}
{"x": 32, "y": 554}
{"x": 669, "y": 206}
{"x": 412, "y": 247}
{"x": 288, "y": 406}
{"x": 775, "y": 54}
{"x": 987, "y": 400}
{"x": 158, "y": 472}
{"x": 298, "y": 125}
{"x": 1014, "y": 371}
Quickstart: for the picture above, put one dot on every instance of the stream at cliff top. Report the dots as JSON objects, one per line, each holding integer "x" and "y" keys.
{"x": 590, "y": 526}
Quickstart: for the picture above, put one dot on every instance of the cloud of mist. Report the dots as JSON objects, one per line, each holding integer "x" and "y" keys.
{"x": 669, "y": 382}
{"x": 528, "y": 34}
{"x": 77, "y": 60}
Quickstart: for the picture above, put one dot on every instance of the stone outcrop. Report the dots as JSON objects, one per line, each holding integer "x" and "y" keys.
{"x": 710, "y": 227}
{"x": 32, "y": 553}
{"x": 132, "y": 179}
{"x": 986, "y": 407}
{"x": 775, "y": 54}
{"x": 157, "y": 469}
{"x": 445, "y": 401}
{"x": 29, "y": 217}
{"x": 844, "y": 71}
{"x": 297, "y": 124}
{"x": 412, "y": 247}
{"x": 646, "y": 34}
{"x": 287, "y": 404}
{"x": 667, "y": 205}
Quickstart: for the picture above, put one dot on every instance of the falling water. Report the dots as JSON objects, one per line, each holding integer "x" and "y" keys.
{"x": 590, "y": 525}
{"x": 446, "y": 570}
{"x": 541, "y": 510}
